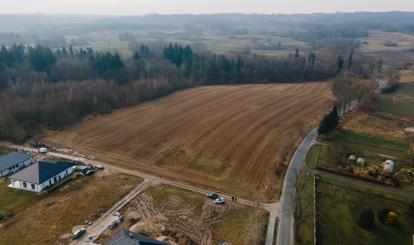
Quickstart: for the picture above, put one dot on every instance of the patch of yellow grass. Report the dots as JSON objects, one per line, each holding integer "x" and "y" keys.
{"x": 364, "y": 123}
{"x": 375, "y": 42}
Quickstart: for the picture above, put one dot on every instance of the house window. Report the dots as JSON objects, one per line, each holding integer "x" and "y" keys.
{"x": 54, "y": 178}
{"x": 50, "y": 182}
{"x": 24, "y": 184}
{"x": 33, "y": 186}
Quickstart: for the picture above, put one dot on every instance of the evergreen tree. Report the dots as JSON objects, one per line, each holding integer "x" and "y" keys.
{"x": 296, "y": 53}
{"x": 136, "y": 56}
{"x": 410, "y": 211}
{"x": 367, "y": 219}
{"x": 41, "y": 58}
{"x": 329, "y": 122}
{"x": 339, "y": 64}
{"x": 350, "y": 58}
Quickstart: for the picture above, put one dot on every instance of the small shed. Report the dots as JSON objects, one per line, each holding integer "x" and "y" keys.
{"x": 361, "y": 161}
{"x": 389, "y": 166}
{"x": 352, "y": 158}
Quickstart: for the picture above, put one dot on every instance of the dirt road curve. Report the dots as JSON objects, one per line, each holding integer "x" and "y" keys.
{"x": 103, "y": 222}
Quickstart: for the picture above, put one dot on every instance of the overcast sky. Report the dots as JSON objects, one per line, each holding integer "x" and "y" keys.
{"x": 138, "y": 7}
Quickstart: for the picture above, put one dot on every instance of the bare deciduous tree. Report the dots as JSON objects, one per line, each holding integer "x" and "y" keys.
{"x": 300, "y": 202}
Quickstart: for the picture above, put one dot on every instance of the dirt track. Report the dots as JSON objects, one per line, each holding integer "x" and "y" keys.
{"x": 229, "y": 138}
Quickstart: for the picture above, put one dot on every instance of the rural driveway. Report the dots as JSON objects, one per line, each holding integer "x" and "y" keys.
{"x": 273, "y": 208}
{"x": 100, "y": 225}
{"x": 285, "y": 231}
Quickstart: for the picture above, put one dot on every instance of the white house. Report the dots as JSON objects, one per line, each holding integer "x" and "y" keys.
{"x": 41, "y": 176}
{"x": 13, "y": 162}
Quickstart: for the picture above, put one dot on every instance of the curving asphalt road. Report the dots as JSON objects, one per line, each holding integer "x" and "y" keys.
{"x": 285, "y": 232}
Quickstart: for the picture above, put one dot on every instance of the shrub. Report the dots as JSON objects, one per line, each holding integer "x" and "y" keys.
{"x": 367, "y": 219}
{"x": 391, "y": 218}
{"x": 382, "y": 215}
{"x": 410, "y": 211}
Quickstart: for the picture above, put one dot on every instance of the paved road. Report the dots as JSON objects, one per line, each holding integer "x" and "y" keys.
{"x": 273, "y": 208}
{"x": 285, "y": 232}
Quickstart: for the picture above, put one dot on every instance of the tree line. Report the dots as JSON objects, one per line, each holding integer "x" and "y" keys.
{"x": 43, "y": 88}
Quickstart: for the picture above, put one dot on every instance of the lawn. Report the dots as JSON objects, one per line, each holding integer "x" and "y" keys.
{"x": 313, "y": 155}
{"x": 82, "y": 199}
{"x": 306, "y": 227}
{"x": 375, "y": 125}
{"x": 361, "y": 142}
{"x": 238, "y": 226}
{"x": 400, "y": 103}
{"x": 344, "y": 202}
{"x": 12, "y": 200}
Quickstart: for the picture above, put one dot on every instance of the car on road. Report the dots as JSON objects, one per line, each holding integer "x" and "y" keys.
{"x": 99, "y": 166}
{"x": 219, "y": 200}
{"x": 212, "y": 195}
{"x": 77, "y": 234}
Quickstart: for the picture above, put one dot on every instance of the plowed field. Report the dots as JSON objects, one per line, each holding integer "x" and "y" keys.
{"x": 235, "y": 139}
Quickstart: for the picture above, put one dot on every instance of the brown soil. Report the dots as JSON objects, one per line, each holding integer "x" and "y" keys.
{"x": 234, "y": 139}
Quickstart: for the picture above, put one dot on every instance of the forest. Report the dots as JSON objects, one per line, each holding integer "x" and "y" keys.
{"x": 41, "y": 88}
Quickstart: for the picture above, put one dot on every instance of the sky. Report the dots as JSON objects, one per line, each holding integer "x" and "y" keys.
{"x": 139, "y": 7}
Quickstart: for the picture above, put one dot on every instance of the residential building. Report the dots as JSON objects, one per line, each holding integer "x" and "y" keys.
{"x": 41, "y": 176}
{"x": 13, "y": 162}
{"x": 129, "y": 238}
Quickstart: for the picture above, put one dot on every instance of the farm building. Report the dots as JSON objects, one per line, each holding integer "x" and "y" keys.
{"x": 388, "y": 166}
{"x": 129, "y": 238}
{"x": 13, "y": 162}
{"x": 40, "y": 176}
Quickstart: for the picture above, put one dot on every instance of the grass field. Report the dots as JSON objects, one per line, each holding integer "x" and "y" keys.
{"x": 384, "y": 127}
{"x": 344, "y": 203}
{"x": 306, "y": 227}
{"x": 216, "y": 43}
{"x": 12, "y": 201}
{"x": 360, "y": 142}
{"x": 375, "y": 42}
{"x": 41, "y": 220}
{"x": 407, "y": 75}
{"x": 234, "y": 139}
{"x": 400, "y": 103}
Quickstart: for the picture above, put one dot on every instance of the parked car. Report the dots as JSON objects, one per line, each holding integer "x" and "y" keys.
{"x": 77, "y": 234}
{"x": 89, "y": 172}
{"x": 77, "y": 161}
{"x": 99, "y": 166}
{"x": 43, "y": 150}
{"x": 219, "y": 200}
{"x": 212, "y": 195}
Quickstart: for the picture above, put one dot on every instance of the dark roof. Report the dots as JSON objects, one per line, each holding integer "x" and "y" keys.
{"x": 41, "y": 172}
{"x": 129, "y": 238}
{"x": 12, "y": 159}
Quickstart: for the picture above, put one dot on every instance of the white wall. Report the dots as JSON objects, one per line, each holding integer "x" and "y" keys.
{"x": 39, "y": 187}
{"x": 17, "y": 167}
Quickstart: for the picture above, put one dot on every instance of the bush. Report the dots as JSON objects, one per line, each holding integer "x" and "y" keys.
{"x": 382, "y": 215}
{"x": 410, "y": 211}
{"x": 367, "y": 219}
